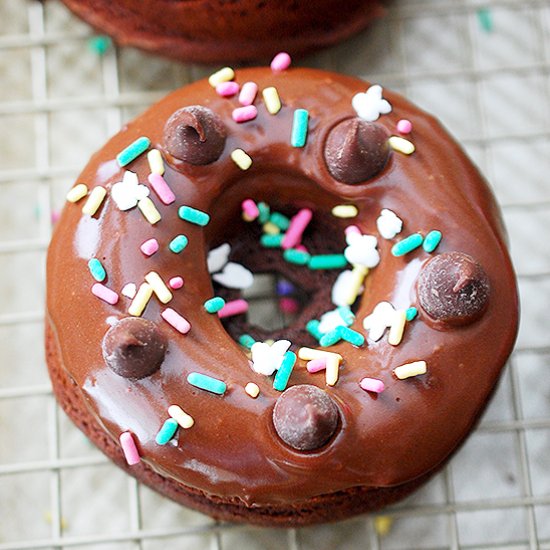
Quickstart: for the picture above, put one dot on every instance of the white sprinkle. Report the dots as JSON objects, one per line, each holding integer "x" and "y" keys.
{"x": 129, "y": 290}
{"x": 234, "y": 275}
{"x": 389, "y": 224}
{"x": 128, "y": 192}
{"x": 370, "y": 104}
{"x": 218, "y": 257}
{"x": 379, "y": 320}
{"x": 361, "y": 250}
{"x": 266, "y": 359}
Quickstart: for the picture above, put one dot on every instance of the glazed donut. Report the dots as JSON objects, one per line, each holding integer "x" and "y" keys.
{"x": 391, "y": 262}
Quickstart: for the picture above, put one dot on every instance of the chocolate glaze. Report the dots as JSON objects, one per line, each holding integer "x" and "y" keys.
{"x": 232, "y": 451}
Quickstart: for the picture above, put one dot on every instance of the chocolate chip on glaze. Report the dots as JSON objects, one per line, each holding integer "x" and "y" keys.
{"x": 195, "y": 135}
{"x": 356, "y": 150}
{"x": 305, "y": 417}
{"x": 453, "y": 288}
{"x": 134, "y": 347}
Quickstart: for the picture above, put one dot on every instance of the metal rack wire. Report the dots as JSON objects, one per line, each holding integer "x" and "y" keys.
{"x": 491, "y": 87}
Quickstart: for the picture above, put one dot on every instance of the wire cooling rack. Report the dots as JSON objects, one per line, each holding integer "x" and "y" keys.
{"x": 483, "y": 67}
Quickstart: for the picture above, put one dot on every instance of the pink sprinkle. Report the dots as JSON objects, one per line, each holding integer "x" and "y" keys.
{"x": 176, "y": 320}
{"x": 55, "y": 216}
{"x": 235, "y": 307}
{"x": 105, "y": 294}
{"x": 248, "y": 93}
{"x": 149, "y": 247}
{"x": 281, "y": 62}
{"x": 352, "y": 230}
{"x": 372, "y": 384}
{"x": 302, "y": 248}
{"x": 289, "y": 305}
{"x": 404, "y": 126}
{"x": 244, "y": 114}
{"x": 227, "y": 89}
{"x": 250, "y": 209}
{"x": 131, "y": 454}
{"x": 175, "y": 282}
{"x": 160, "y": 187}
{"x": 316, "y": 365}
{"x": 297, "y": 226}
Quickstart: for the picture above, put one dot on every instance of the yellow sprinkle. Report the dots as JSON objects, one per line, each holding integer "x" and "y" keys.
{"x": 241, "y": 159}
{"x": 158, "y": 286}
{"x": 331, "y": 371}
{"x": 149, "y": 210}
{"x": 247, "y": 218}
{"x": 94, "y": 201}
{"x": 345, "y": 211}
{"x": 269, "y": 341}
{"x": 307, "y": 354}
{"x": 397, "y": 327}
{"x": 401, "y": 145}
{"x": 156, "y": 164}
{"x": 272, "y": 100}
{"x": 271, "y": 228}
{"x": 382, "y": 525}
{"x": 358, "y": 274}
{"x": 223, "y": 75}
{"x": 410, "y": 369}
{"x": 141, "y": 299}
{"x": 180, "y": 416}
{"x": 78, "y": 192}
{"x": 252, "y": 389}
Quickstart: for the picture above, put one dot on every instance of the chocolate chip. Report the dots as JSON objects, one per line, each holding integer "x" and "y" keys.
{"x": 453, "y": 288}
{"x": 195, "y": 135}
{"x": 305, "y": 417}
{"x": 356, "y": 150}
{"x": 134, "y": 347}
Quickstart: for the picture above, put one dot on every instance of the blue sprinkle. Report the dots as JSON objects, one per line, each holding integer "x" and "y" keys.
{"x": 192, "y": 215}
{"x": 284, "y": 372}
{"x": 285, "y": 288}
{"x": 166, "y": 433}
{"x": 177, "y": 244}
{"x": 299, "y": 128}
{"x": 330, "y": 338}
{"x": 407, "y": 245}
{"x": 347, "y": 315}
{"x": 263, "y": 216}
{"x": 351, "y": 336}
{"x": 411, "y": 313}
{"x": 205, "y": 382}
{"x": 432, "y": 240}
{"x": 246, "y": 341}
{"x": 133, "y": 151}
{"x": 97, "y": 270}
{"x": 313, "y": 328}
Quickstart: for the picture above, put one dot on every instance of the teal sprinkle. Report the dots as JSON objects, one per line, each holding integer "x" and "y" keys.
{"x": 411, "y": 313}
{"x": 97, "y": 270}
{"x": 100, "y": 44}
{"x": 407, "y": 245}
{"x": 192, "y": 215}
{"x": 330, "y": 338}
{"x": 177, "y": 244}
{"x": 328, "y": 261}
{"x": 205, "y": 382}
{"x": 133, "y": 151}
{"x": 214, "y": 304}
{"x": 347, "y": 315}
{"x": 432, "y": 240}
{"x": 167, "y": 432}
{"x": 313, "y": 328}
{"x": 280, "y": 220}
{"x": 351, "y": 336}
{"x": 284, "y": 372}
{"x": 298, "y": 257}
{"x": 271, "y": 241}
{"x": 485, "y": 19}
{"x": 246, "y": 341}
{"x": 299, "y": 128}
{"x": 264, "y": 212}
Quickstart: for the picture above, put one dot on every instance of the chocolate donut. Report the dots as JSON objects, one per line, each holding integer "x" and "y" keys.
{"x": 392, "y": 264}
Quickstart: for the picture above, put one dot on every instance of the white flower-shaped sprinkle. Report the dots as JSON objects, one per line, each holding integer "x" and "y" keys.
{"x": 228, "y": 274}
{"x": 361, "y": 250}
{"x": 218, "y": 257}
{"x": 128, "y": 192}
{"x": 379, "y": 320}
{"x": 370, "y": 104}
{"x": 389, "y": 224}
{"x": 330, "y": 320}
{"x": 266, "y": 359}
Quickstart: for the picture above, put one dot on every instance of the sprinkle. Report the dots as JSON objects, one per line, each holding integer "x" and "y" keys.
{"x": 246, "y": 341}
{"x": 167, "y": 432}
{"x": 227, "y": 89}
{"x": 173, "y": 318}
{"x": 370, "y": 104}
{"x": 280, "y": 62}
{"x": 248, "y": 93}
{"x": 297, "y": 226}
{"x": 284, "y": 287}
{"x": 180, "y": 416}
{"x": 264, "y": 212}
{"x": 149, "y": 210}
{"x": 129, "y": 290}
{"x": 271, "y": 229}
{"x": 410, "y": 369}
{"x": 411, "y": 313}
{"x": 223, "y": 75}
{"x": 136, "y": 148}
{"x": 235, "y": 307}
{"x": 327, "y": 261}
{"x": 432, "y": 240}
{"x": 285, "y": 370}
{"x": 205, "y": 382}
{"x": 289, "y": 305}
{"x": 351, "y": 336}
{"x": 410, "y": 243}
{"x": 149, "y": 247}
{"x": 358, "y": 274}
{"x": 129, "y": 191}
{"x": 78, "y": 192}
{"x": 404, "y": 126}
{"x": 192, "y": 215}
{"x": 105, "y": 294}
{"x": 330, "y": 338}
{"x": 241, "y": 159}
{"x": 401, "y": 145}
{"x": 175, "y": 283}
{"x": 280, "y": 220}
{"x": 99, "y": 44}
{"x": 131, "y": 453}
{"x": 252, "y": 389}
{"x": 178, "y": 243}
{"x": 244, "y": 114}
{"x": 250, "y": 210}
{"x": 351, "y": 231}
{"x": 301, "y": 248}
{"x": 161, "y": 188}
{"x": 158, "y": 286}
{"x": 382, "y": 317}
{"x": 372, "y": 384}
{"x": 272, "y": 100}
{"x": 313, "y": 328}
{"x": 297, "y": 257}
{"x": 156, "y": 163}
{"x": 97, "y": 270}
{"x": 271, "y": 241}
{"x": 347, "y": 315}
{"x": 382, "y": 525}
{"x": 91, "y": 206}
{"x": 397, "y": 327}
{"x": 214, "y": 304}
{"x": 485, "y": 19}
{"x": 316, "y": 365}
{"x": 388, "y": 224}
{"x": 345, "y": 211}
{"x": 299, "y": 128}
{"x": 332, "y": 370}
{"x": 234, "y": 276}
{"x": 306, "y": 354}
{"x": 141, "y": 299}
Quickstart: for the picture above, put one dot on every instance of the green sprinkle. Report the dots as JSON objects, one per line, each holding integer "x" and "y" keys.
{"x": 313, "y": 328}
{"x": 271, "y": 241}
{"x": 351, "y": 336}
{"x": 167, "y": 432}
{"x": 280, "y": 220}
{"x": 347, "y": 315}
{"x": 97, "y": 270}
{"x": 328, "y": 261}
{"x": 100, "y": 44}
{"x": 284, "y": 372}
{"x": 214, "y": 304}
{"x": 485, "y": 19}
{"x": 433, "y": 238}
{"x": 411, "y": 313}
{"x": 330, "y": 338}
{"x": 205, "y": 382}
{"x": 192, "y": 215}
{"x": 177, "y": 244}
{"x": 298, "y": 257}
{"x": 263, "y": 216}
{"x": 246, "y": 341}
{"x": 299, "y": 128}
{"x": 133, "y": 151}
{"x": 407, "y": 245}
